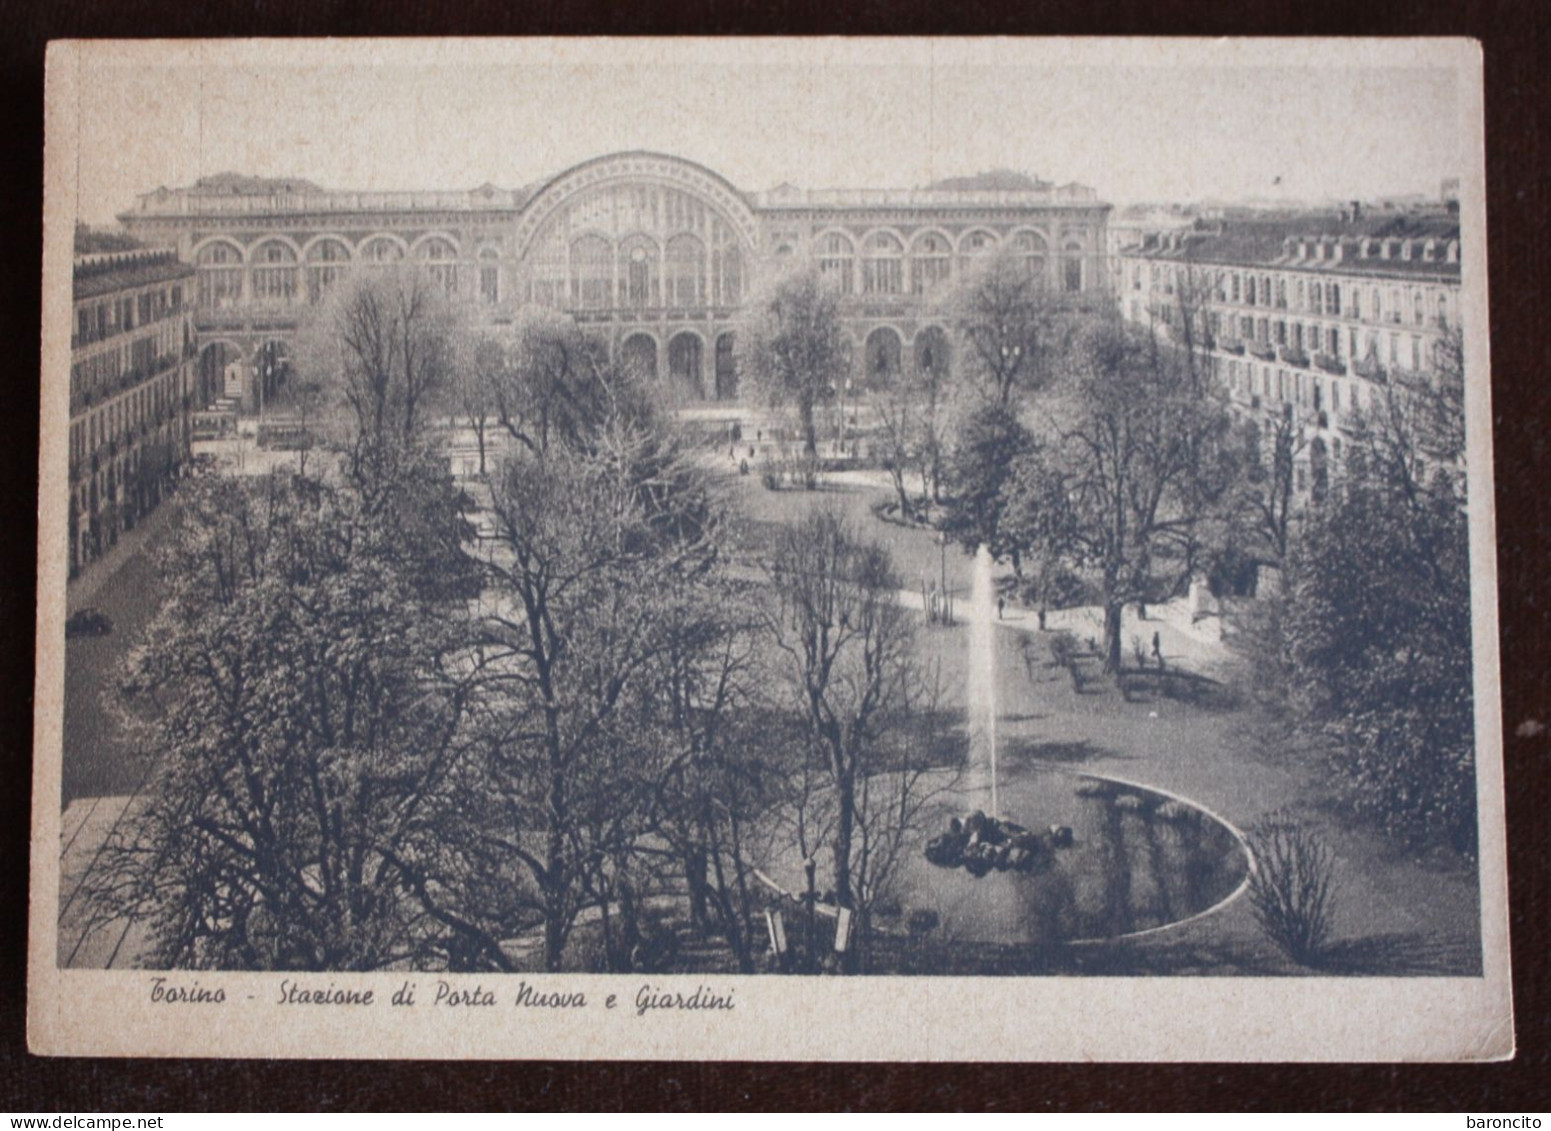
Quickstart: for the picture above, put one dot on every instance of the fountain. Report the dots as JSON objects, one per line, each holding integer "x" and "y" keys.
{"x": 1073, "y": 858}
{"x": 980, "y": 689}
{"x": 1131, "y": 859}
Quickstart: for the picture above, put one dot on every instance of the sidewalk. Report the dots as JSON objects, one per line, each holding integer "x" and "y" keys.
{"x": 81, "y": 592}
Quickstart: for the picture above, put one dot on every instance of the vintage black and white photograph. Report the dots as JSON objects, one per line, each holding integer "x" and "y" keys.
{"x": 732, "y": 526}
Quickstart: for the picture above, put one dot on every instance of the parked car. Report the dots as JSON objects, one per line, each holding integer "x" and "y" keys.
{"x": 88, "y": 622}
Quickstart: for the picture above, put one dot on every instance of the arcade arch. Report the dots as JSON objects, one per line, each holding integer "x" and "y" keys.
{"x": 686, "y": 361}
{"x": 638, "y": 354}
{"x": 931, "y": 261}
{"x": 726, "y": 366}
{"x": 882, "y": 355}
{"x": 932, "y": 355}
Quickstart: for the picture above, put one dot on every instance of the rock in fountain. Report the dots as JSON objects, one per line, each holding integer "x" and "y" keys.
{"x": 980, "y": 844}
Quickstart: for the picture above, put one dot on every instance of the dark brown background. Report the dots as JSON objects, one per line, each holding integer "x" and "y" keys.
{"x": 1518, "y": 61}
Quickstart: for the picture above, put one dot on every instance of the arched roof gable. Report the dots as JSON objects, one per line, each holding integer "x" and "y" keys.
{"x": 640, "y": 165}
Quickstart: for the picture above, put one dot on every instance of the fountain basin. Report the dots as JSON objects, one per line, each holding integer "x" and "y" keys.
{"x": 1140, "y": 860}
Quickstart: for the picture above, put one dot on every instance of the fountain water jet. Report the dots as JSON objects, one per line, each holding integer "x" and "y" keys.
{"x": 980, "y": 690}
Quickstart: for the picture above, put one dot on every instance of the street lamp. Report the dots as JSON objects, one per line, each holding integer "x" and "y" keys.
{"x": 942, "y": 554}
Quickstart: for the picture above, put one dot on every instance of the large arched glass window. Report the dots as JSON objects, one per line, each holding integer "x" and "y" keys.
{"x": 547, "y": 272}
{"x": 883, "y": 265}
{"x": 380, "y": 249}
{"x": 640, "y": 273}
{"x": 1031, "y": 249}
{"x": 726, "y": 265}
{"x": 274, "y": 273}
{"x": 441, "y": 260}
{"x": 728, "y": 272}
{"x": 592, "y": 272}
{"x": 686, "y": 270}
{"x": 220, "y": 276}
{"x": 931, "y": 262}
{"x": 976, "y": 244}
{"x": 835, "y": 256}
{"x": 327, "y": 261}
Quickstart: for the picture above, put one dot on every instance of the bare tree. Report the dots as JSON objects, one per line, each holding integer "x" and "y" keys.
{"x": 590, "y": 542}
{"x": 555, "y": 383}
{"x": 903, "y": 437}
{"x": 481, "y": 363}
{"x": 1011, "y": 324}
{"x": 1270, "y": 492}
{"x": 383, "y": 342}
{"x": 846, "y": 649}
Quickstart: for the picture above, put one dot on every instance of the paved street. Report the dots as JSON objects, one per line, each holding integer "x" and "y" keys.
{"x": 98, "y": 759}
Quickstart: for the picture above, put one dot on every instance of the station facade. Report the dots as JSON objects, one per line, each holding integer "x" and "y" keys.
{"x": 656, "y": 253}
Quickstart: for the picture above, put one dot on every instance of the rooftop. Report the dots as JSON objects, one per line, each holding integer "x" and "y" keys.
{"x": 1344, "y": 242}
{"x": 106, "y": 272}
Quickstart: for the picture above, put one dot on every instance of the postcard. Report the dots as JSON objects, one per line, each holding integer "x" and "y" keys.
{"x": 919, "y": 549}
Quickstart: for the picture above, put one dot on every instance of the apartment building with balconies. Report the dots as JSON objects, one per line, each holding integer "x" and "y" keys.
{"x": 1312, "y": 317}
{"x": 132, "y": 386}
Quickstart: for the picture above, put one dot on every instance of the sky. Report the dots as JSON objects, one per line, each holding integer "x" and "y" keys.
{"x": 1300, "y": 119}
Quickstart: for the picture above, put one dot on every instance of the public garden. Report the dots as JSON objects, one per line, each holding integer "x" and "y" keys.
{"x": 638, "y": 688}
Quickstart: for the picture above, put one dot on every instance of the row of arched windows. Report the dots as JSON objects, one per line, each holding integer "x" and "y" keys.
{"x": 273, "y": 275}
{"x": 882, "y": 266}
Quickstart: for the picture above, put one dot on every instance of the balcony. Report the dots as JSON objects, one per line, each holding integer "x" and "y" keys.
{"x": 1370, "y": 368}
{"x": 1295, "y": 355}
{"x": 1265, "y": 351}
{"x": 1330, "y": 363}
{"x": 1231, "y": 345}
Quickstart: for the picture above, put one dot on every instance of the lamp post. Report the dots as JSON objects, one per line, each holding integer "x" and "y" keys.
{"x": 942, "y": 558}
{"x": 810, "y": 866}
{"x": 1010, "y": 356}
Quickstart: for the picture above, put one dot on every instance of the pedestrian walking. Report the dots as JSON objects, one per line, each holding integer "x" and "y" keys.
{"x": 1001, "y": 604}
{"x": 1157, "y": 650}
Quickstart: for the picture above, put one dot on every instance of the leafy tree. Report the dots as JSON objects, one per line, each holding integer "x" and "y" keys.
{"x": 1376, "y": 625}
{"x": 294, "y": 684}
{"x": 990, "y": 441}
{"x": 1145, "y": 455}
{"x": 792, "y": 346}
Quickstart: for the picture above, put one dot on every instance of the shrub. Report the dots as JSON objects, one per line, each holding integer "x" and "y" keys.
{"x": 1291, "y": 888}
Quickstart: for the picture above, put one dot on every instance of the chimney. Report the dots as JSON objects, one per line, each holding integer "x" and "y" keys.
{"x": 1357, "y": 211}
